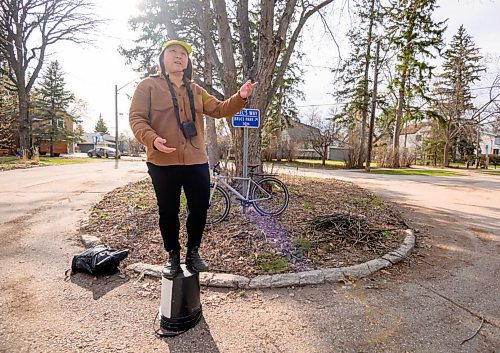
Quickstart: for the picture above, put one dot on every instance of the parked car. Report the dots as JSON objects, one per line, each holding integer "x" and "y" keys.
{"x": 103, "y": 152}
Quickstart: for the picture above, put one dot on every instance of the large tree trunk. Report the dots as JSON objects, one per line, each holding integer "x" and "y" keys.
{"x": 262, "y": 66}
{"x": 227, "y": 50}
{"x": 213, "y": 145}
{"x": 254, "y": 147}
{"x": 397, "y": 125}
{"x": 210, "y": 129}
{"x": 446, "y": 154}
{"x": 24, "y": 119}
{"x": 373, "y": 107}
{"x": 228, "y": 76}
{"x": 408, "y": 54}
{"x": 364, "y": 116}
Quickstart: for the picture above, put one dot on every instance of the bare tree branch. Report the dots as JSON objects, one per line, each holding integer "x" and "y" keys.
{"x": 30, "y": 26}
{"x": 229, "y": 77}
{"x": 210, "y": 89}
{"x": 201, "y": 8}
{"x": 291, "y": 45}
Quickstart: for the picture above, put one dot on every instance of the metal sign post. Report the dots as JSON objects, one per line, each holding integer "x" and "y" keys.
{"x": 246, "y": 118}
{"x": 245, "y": 152}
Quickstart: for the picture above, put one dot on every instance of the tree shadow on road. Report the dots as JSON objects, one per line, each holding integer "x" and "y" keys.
{"x": 101, "y": 285}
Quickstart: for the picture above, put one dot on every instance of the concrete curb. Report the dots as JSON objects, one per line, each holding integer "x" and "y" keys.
{"x": 327, "y": 275}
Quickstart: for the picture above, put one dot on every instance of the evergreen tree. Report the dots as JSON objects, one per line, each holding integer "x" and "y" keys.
{"x": 462, "y": 67}
{"x": 101, "y": 126}
{"x": 8, "y": 112}
{"x": 413, "y": 35}
{"x": 79, "y": 130}
{"x": 282, "y": 112}
{"x": 433, "y": 145}
{"x": 354, "y": 73}
{"x": 51, "y": 117}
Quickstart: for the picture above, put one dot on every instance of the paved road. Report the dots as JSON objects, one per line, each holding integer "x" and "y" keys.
{"x": 430, "y": 304}
{"x": 473, "y": 198}
{"x": 25, "y": 190}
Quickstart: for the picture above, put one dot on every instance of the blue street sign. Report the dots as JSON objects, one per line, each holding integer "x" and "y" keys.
{"x": 247, "y": 118}
{"x": 97, "y": 138}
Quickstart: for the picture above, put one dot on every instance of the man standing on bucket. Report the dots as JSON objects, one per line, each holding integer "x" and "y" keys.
{"x": 167, "y": 116}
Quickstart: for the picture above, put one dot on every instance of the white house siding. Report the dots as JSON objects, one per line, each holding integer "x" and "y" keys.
{"x": 338, "y": 154}
{"x": 489, "y": 143}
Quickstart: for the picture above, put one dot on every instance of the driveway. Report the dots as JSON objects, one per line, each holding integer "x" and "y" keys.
{"x": 446, "y": 293}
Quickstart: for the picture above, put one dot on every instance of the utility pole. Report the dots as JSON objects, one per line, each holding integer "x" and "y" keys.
{"x": 374, "y": 106}
{"x": 116, "y": 121}
{"x": 478, "y": 154}
{"x": 116, "y": 114}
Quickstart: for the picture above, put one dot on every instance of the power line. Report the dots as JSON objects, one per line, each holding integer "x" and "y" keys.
{"x": 120, "y": 38}
{"x": 489, "y": 87}
{"x": 319, "y": 105}
{"x": 319, "y": 66}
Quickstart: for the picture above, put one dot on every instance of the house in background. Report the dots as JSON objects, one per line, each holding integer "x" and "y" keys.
{"x": 413, "y": 135}
{"x": 296, "y": 139}
{"x": 91, "y": 140}
{"x": 339, "y": 152}
{"x": 58, "y": 147}
{"x": 489, "y": 143}
{"x": 412, "y": 138}
{"x": 489, "y": 138}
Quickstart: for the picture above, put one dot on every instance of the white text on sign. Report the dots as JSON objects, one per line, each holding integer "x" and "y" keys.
{"x": 247, "y": 118}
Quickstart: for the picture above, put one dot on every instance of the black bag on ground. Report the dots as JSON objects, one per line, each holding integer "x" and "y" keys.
{"x": 99, "y": 260}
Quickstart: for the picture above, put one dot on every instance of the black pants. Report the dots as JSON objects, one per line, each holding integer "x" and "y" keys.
{"x": 168, "y": 182}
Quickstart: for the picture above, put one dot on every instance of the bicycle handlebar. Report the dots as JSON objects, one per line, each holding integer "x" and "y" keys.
{"x": 216, "y": 168}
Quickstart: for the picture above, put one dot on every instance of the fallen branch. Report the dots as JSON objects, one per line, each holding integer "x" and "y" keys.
{"x": 350, "y": 228}
{"x": 492, "y": 323}
{"x": 475, "y": 333}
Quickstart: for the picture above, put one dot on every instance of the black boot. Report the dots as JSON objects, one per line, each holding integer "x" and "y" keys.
{"x": 173, "y": 265}
{"x": 194, "y": 262}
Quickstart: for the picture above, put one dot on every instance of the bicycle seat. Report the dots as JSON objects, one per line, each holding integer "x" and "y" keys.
{"x": 253, "y": 166}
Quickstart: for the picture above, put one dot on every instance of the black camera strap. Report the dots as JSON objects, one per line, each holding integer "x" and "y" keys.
{"x": 176, "y": 102}
{"x": 190, "y": 96}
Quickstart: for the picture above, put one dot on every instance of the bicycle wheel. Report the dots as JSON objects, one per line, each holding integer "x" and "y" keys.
{"x": 270, "y": 196}
{"x": 219, "y": 205}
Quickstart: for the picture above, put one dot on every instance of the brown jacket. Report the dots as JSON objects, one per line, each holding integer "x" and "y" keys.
{"x": 152, "y": 114}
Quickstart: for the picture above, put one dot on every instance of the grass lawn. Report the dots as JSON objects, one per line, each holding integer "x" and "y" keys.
{"x": 9, "y": 159}
{"x": 415, "y": 172}
{"x": 313, "y": 163}
{"x": 14, "y": 162}
{"x": 490, "y": 171}
{"x": 58, "y": 161}
{"x": 458, "y": 165}
{"x": 318, "y": 161}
